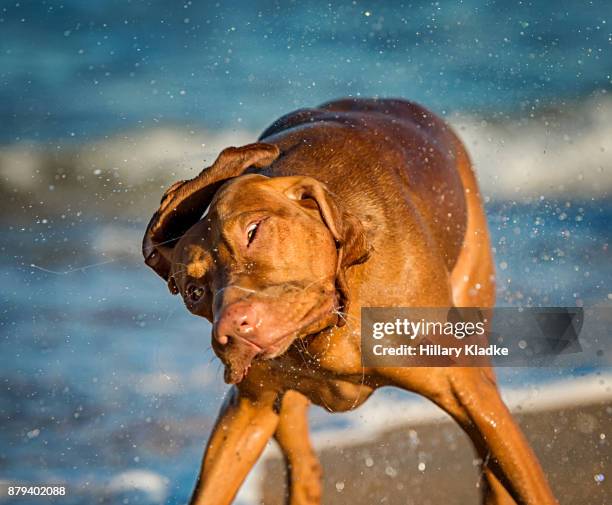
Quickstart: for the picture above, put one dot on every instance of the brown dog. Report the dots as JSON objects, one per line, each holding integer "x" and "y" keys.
{"x": 356, "y": 203}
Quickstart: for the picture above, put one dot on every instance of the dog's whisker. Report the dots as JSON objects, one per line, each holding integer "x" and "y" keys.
{"x": 175, "y": 239}
{"x": 344, "y": 316}
{"x": 241, "y": 288}
{"x": 76, "y": 269}
{"x": 316, "y": 281}
{"x": 300, "y": 352}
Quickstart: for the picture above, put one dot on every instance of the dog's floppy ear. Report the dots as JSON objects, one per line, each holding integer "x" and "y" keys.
{"x": 347, "y": 230}
{"x": 185, "y": 201}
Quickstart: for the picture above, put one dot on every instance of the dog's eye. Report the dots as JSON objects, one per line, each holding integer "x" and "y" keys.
{"x": 251, "y": 231}
{"x": 194, "y": 293}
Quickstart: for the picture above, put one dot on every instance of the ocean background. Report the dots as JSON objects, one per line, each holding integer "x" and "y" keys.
{"x": 107, "y": 384}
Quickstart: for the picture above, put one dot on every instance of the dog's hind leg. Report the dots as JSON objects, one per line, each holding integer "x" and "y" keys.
{"x": 508, "y": 460}
{"x": 471, "y": 397}
{"x": 241, "y": 432}
{"x": 303, "y": 468}
{"x": 509, "y": 467}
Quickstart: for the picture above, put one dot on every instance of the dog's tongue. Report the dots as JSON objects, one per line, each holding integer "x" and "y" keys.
{"x": 239, "y": 363}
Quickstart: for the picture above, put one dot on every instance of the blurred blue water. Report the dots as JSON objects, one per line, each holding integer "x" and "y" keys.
{"x": 73, "y": 70}
{"x": 102, "y": 371}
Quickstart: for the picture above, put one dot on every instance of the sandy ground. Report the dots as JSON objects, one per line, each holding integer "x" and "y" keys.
{"x": 433, "y": 463}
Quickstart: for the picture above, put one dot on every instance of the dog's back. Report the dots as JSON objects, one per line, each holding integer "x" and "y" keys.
{"x": 386, "y": 158}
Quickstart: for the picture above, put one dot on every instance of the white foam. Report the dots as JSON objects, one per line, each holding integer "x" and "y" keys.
{"x": 132, "y": 158}
{"x": 152, "y": 484}
{"x": 114, "y": 241}
{"x": 562, "y": 152}
{"x": 567, "y": 152}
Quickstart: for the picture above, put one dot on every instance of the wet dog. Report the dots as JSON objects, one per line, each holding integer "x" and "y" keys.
{"x": 281, "y": 242}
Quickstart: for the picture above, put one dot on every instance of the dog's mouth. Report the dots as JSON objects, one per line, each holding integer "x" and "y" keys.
{"x": 238, "y": 364}
{"x": 243, "y": 353}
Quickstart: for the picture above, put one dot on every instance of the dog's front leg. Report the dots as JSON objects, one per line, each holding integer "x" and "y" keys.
{"x": 303, "y": 468}
{"x": 241, "y": 432}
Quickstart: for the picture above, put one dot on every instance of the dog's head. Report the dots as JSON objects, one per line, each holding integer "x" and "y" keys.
{"x": 265, "y": 263}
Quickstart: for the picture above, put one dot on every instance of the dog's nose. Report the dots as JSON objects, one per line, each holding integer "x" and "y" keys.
{"x": 240, "y": 319}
